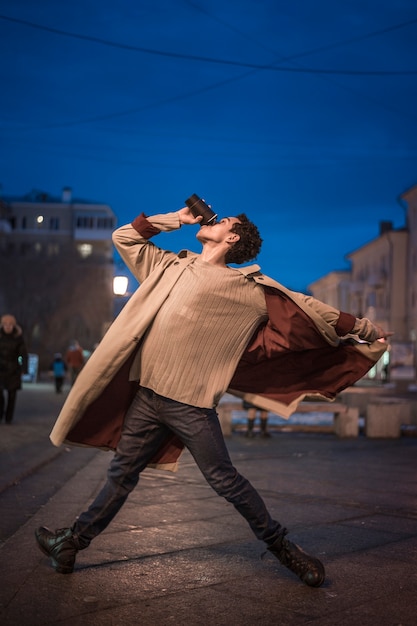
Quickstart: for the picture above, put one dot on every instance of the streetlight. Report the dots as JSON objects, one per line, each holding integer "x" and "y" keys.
{"x": 120, "y": 284}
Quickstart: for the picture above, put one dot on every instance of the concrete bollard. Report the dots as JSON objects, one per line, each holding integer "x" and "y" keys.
{"x": 347, "y": 424}
{"x": 385, "y": 416}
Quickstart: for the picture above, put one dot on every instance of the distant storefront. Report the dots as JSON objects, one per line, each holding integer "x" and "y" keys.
{"x": 33, "y": 366}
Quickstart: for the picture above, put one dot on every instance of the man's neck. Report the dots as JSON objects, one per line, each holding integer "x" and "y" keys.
{"x": 214, "y": 255}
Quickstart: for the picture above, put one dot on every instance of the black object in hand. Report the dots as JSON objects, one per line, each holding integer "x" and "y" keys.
{"x": 198, "y": 207}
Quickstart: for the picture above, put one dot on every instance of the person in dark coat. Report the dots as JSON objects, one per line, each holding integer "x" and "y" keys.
{"x": 13, "y": 363}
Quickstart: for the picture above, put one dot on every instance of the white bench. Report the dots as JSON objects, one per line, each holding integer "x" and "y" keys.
{"x": 345, "y": 423}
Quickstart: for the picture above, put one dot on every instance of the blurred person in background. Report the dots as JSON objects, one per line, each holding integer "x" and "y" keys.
{"x": 58, "y": 368}
{"x": 74, "y": 359}
{"x": 13, "y": 363}
{"x": 263, "y": 416}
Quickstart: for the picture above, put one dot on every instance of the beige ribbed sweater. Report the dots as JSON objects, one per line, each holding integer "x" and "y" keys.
{"x": 200, "y": 333}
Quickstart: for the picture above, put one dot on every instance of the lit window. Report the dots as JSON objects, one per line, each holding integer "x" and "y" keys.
{"x": 85, "y": 249}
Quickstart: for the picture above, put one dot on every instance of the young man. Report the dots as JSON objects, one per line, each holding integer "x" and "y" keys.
{"x": 194, "y": 326}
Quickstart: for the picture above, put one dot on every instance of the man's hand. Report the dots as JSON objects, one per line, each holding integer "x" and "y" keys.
{"x": 368, "y": 331}
{"x": 383, "y": 334}
{"x": 186, "y": 217}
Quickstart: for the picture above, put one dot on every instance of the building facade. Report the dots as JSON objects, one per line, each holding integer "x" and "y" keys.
{"x": 334, "y": 289}
{"x": 410, "y": 200}
{"x": 56, "y": 260}
{"x": 382, "y": 285}
{"x": 378, "y": 286}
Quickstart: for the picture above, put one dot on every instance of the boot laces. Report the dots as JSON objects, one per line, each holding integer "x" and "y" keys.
{"x": 293, "y": 557}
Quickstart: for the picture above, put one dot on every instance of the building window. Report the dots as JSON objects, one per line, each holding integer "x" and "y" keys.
{"x": 85, "y": 221}
{"x": 54, "y": 223}
{"x": 105, "y": 222}
{"x": 24, "y": 222}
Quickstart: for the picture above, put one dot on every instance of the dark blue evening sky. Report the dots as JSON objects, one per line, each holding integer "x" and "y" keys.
{"x": 302, "y": 114}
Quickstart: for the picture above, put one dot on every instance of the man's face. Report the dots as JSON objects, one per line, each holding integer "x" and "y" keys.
{"x": 219, "y": 232}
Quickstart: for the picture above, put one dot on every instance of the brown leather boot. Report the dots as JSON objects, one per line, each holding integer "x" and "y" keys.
{"x": 309, "y": 569}
{"x": 60, "y": 546}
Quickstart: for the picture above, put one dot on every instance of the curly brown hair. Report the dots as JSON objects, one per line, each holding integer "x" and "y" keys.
{"x": 249, "y": 244}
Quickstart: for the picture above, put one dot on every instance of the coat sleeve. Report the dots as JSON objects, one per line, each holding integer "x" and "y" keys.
{"x": 343, "y": 323}
{"x": 293, "y": 356}
{"x": 132, "y": 242}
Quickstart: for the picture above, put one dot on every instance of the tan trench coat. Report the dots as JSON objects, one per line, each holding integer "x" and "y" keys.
{"x": 103, "y": 386}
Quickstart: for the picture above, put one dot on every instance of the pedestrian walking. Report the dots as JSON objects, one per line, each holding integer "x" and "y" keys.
{"x": 58, "y": 368}
{"x": 13, "y": 363}
{"x": 74, "y": 359}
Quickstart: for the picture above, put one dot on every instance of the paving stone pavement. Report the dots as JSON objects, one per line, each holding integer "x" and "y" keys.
{"x": 179, "y": 554}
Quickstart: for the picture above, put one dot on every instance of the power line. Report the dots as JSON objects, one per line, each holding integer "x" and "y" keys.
{"x": 152, "y": 105}
{"x": 297, "y": 55}
{"x": 139, "y": 158}
{"x": 108, "y": 116}
{"x": 292, "y": 57}
{"x": 178, "y": 55}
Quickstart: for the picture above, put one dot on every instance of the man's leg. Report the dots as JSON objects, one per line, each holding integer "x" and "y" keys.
{"x": 200, "y": 431}
{"x": 141, "y": 437}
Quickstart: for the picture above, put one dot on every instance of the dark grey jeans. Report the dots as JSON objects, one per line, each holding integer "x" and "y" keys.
{"x": 149, "y": 419}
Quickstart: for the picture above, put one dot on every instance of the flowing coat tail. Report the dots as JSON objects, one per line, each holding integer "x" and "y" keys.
{"x": 287, "y": 360}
